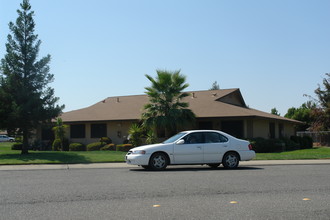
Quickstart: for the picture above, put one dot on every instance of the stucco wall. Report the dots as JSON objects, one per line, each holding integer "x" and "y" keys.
{"x": 261, "y": 128}
{"x": 117, "y": 131}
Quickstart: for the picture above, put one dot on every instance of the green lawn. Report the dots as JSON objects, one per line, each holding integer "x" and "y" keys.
{"x": 8, "y": 156}
{"x": 314, "y": 153}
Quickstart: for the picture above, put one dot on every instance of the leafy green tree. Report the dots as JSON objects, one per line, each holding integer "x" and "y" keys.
{"x": 166, "y": 108}
{"x": 323, "y": 94}
{"x": 274, "y": 112}
{"x": 321, "y": 114}
{"x": 24, "y": 79}
{"x": 303, "y": 114}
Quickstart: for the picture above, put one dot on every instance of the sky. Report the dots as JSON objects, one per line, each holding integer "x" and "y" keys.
{"x": 274, "y": 51}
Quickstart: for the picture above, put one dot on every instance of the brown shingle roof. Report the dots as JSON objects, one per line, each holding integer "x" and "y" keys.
{"x": 205, "y": 104}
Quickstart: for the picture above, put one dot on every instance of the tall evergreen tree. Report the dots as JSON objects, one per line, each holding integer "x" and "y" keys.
{"x": 165, "y": 108}
{"x": 215, "y": 86}
{"x": 24, "y": 88}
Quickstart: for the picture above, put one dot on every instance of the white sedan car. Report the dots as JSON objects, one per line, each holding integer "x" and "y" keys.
{"x": 4, "y": 138}
{"x": 193, "y": 147}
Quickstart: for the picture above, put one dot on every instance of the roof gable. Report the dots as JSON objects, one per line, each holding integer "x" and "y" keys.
{"x": 233, "y": 98}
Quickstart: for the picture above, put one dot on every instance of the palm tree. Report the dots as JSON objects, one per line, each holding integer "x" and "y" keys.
{"x": 165, "y": 108}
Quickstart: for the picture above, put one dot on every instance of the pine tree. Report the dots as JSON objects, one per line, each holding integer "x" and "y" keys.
{"x": 24, "y": 88}
{"x": 215, "y": 86}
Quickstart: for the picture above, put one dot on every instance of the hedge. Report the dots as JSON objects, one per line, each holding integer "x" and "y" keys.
{"x": 261, "y": 145}
{"x": 124, "y": 147}
{"x": 109, "y": 147}
{"x": 95, "y": 146}
{"x": 304, "y": 142}
{"x": 106, "y": 140}
{"x": 17, "y": 146}
{"x": 77, "y": 147}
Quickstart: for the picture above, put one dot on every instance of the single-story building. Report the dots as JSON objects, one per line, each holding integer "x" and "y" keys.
{"x": 223, "y": 109}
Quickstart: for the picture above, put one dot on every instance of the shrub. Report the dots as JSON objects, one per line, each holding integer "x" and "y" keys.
{"x": 17, "y": 146}
{"x": 19, "y": 139}
{"x": 124, "y": 147}
{"x": 77, "y": 147}
{"x": 261, "y": 145}
{"x": 303, "y": 142}
{"x": 307, "y": 141}
{"x": 106, "y": 140}
{"x": 56, "y": 145}
{"x": 108, "y": 147}
{"x": 94, "y": 146}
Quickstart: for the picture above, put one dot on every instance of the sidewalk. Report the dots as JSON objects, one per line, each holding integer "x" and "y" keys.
{"x": 124, "y": 165}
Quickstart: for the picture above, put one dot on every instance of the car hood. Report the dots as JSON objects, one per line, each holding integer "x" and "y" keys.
{"x": 151, "y": 147}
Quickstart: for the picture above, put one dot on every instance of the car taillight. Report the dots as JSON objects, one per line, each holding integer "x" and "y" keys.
{"x": 250, "y": 146}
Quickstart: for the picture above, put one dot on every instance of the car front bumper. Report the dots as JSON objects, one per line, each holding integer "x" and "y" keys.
{"x": 137, "y": 159}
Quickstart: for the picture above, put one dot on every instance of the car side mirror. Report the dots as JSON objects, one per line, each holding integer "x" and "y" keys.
{"x": 180, "y": 142}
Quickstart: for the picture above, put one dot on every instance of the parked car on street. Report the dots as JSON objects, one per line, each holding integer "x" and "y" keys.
{"x": 209, "y": 147}
{"x": 4, "y": 138}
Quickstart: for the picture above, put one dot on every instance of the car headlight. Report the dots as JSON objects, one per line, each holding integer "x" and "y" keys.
{"x": 139, "y": 152}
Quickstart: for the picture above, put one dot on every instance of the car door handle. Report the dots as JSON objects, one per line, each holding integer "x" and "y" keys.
{"x": 199, "y": 147}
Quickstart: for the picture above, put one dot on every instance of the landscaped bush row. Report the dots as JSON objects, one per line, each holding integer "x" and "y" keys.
{"x": 97, "y": 146}
{"x": 261, "y": 145}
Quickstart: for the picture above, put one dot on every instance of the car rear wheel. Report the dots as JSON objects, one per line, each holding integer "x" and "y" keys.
{"x": 230, "y": 160}
{"x": 158, "y": 161}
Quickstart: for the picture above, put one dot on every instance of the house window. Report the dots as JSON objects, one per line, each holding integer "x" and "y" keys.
{"x": 271, "y": 130}
{"x": 281, "y": 130}
{"x": 98, "y": 130}
{"x": 77, "y": 131}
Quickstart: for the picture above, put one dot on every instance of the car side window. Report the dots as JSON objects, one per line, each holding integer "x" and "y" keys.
{"x": 212, "y": 137}
{"x": 194, "y": 138}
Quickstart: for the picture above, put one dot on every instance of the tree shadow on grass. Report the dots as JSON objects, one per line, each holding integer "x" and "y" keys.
{"x": 43, "y": 158}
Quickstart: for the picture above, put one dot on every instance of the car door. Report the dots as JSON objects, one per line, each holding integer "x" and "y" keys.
{"x": 215, "y": 147}
{"x": 190, "y": 151}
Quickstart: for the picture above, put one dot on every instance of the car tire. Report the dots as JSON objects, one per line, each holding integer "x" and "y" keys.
{"x": 158, "y": 161}
{"x": 230, "y": 160}
{"x": 213, "y": 165}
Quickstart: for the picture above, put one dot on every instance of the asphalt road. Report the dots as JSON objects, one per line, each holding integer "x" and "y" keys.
{"x": 187, "y": 192}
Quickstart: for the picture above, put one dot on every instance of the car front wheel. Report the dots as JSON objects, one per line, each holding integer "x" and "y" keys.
{"x": 230, "y": 160}
{"x": 158, "y": 161}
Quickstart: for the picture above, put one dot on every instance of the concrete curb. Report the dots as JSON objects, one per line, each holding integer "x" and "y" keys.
{"x": 124, "y": 165}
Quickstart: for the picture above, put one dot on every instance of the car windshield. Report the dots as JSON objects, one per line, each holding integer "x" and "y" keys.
{"x": 174, "y": 138}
